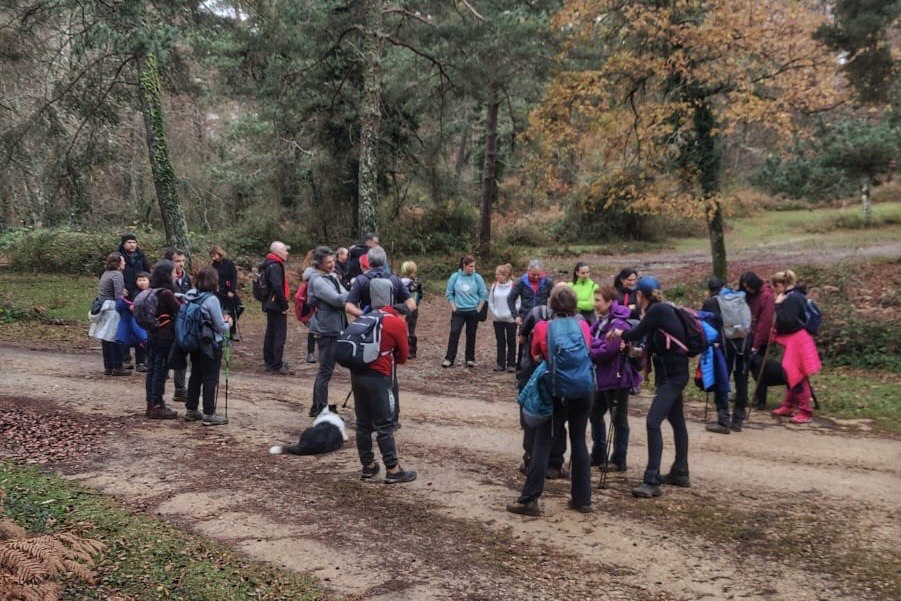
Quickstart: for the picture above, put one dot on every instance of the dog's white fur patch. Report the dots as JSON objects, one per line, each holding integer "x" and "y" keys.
{"x": 276, "y": 450}
{"x": 326, "y": 416}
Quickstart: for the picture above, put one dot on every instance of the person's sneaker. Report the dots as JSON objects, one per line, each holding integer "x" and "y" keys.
{"x": 284, "y": 370}
{"x": 530, "y": 508}
{"x": 180, "y": 396}
{"x": 511, "y": 370}
{"x": 580, "y": 508}
{"x": 718, "y": 428}
{"x": 314, "y": 412}
{"x": 498, "y": 368}
{"x": 107, "y": 372}
{"x": 646, "y": 491}
{"x": 141, "y": 367}
{"x": 783, "y": 410}
{"x": 736, "y": 425}
{"x": 801, "y": 419}
{"x": 399, "y": 476}
{"x": 120, "y": 372}
{"x": 447, "y": 363}
{"x": 370, "y": 472}
{"x": 682, "y": 481}
{"x": 556, "y": 473}
{"x": 192, "y": 415}
{"x": 311, "y": 358}
{"x": 214, "y": 420}
{"x": 128, "y": 364}
{"x": 470, "y": 364}
{"x": 161, "y": 412}
{"x": 613, "y": 466}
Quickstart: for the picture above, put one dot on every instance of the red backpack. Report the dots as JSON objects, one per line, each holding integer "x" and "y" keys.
{"x": 302, "y": 309}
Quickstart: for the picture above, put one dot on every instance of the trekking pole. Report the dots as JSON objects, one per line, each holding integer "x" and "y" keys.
{"x": 614, "y": 412}
{"x": 228, "y": 356}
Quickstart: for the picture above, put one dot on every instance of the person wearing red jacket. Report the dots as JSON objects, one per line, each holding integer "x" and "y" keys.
{"x": 759, "y": 295}
{"x": 375, "y": 401}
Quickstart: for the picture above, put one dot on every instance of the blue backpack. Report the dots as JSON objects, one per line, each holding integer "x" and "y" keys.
{"x": 571, "y": 372}
{"x": 535, "y": 400}
{"x": 189, "y": 325}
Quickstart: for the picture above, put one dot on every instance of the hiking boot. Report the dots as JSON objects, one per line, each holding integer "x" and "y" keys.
{"x": 121, "y": 371}
{"x": 580, "y": 508}
{"x": 370, "y": 472}
{"x": 613, "y": 466}
{"x": 801, "y": 418}
{"x": 511, "y": 370}
{"x": 783, "y": 410}
{"x": 311, "y": 358}
{"x": 214, "y": 420}
{"x": 646, "y": 491}
{"x": 718, "y": 428}
{"x": 447, "y": 363}
{"x": 127, "y": 364}
{"x": 556, "y": 473}
{"x": 531, "y": 508}
{"x": 682, "y": 481}
{"x": 192, "y": 415}
{"x": 314, "y": 412}
{"x": 284, "y": 370}
{"x": 107, "y": 372}
{"x": 399, "y": 476}
{"x": 498, "y": 368}
{"x": 180, "y": 396}
{"x": 141, "y": 367}
{"x": 470, "y": 364}
{"x": 161, "y": 412}
{"x": 736, "y": 425}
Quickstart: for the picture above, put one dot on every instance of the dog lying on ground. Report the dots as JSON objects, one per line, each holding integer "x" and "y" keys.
{"x": 327, "y": 434}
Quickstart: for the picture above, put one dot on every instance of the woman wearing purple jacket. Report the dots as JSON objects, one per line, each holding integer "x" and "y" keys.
{"x": 616, "y": 377}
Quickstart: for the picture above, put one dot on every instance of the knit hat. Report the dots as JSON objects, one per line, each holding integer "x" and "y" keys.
{"x": 715, "y": 284}
{"x": 381, "y": 293}
{"x": 127, "y": 237}
{"x": 647, "y": 284}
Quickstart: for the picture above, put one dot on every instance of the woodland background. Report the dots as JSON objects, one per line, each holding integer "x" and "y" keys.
{"x": 468, "y": 125}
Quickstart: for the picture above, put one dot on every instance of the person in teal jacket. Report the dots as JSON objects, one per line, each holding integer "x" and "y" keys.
{"x": 467, "y": 294}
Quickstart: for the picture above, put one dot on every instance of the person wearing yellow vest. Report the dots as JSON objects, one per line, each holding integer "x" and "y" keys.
{"x": 584, "y": 288}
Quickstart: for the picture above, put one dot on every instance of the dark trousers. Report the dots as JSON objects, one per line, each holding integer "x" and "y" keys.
{"x": 575, "y": 412}
{"x": 460, "y": 318}
{"x": 140, "y": 353}
{"x": 204, "y": 375}
{"x": 374, "y": 407}
{"x": 558, "y": 444}
{"x": 760, "y": 390}
{"x": 311, "y": 343}
{"x": 274, "y": 341}
{"x": 411, "y": 323}
{"x": 738, "y": 366}
{"x": 671, "y": 379}
{"x": 112, "y": 355}
{"x": 326, "y": 346}
{"x": 157, "y": 370}
{"x": 615, "y": 401}
{"x": 505, "y": 336}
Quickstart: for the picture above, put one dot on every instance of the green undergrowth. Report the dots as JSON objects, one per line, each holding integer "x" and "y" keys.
{"x": 144, "y": 558}
{"x": 46, "y": 297}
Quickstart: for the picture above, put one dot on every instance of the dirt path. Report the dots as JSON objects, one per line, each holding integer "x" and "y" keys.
{"x": 776, "y": 512}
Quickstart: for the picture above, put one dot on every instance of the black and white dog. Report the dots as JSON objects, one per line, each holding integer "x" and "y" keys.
{"x": 327, "y": 434}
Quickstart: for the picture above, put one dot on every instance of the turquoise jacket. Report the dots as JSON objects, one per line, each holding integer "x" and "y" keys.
{"x": 466, "y": 291}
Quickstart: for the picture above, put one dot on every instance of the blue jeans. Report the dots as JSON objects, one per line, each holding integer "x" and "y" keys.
{"x": 575, "y": 412}
{"x": 617, "y": 403}
{"x": 157, "y": 370}
{"x": 671, "y": 378}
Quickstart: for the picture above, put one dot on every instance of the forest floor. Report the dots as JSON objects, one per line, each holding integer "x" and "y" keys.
{"x": 777, "y": 511}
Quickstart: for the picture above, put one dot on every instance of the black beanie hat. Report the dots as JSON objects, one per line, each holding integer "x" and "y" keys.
{"x": 127, "y": 237}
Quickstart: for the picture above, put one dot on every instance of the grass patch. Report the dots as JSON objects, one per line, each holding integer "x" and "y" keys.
{"x": 860, "y": 394}
{"x": 145, "y": 558}
{"x": 56, "y": 297}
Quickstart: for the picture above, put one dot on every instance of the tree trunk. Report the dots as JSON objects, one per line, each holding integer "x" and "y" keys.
{"x": 867, "y": 203}
{"x": 489, "y": 176}
{"x": 708, "y": 156}
{"x": 717, "y": 239}
{"x": 164, "y": 179}
{"x": 371, "y": 112}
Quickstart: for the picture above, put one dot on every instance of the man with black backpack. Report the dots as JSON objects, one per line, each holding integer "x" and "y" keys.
{"x": 326, "y": 294}
{"x": 733, "y": 320}
{"x": 272, "y": 285}
{"x": 358, "y": 300}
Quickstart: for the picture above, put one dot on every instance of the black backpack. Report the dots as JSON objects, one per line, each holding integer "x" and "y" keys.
{"x": 695, "y": 340}
{"x": 359, "y": 344}
{"x": 261, "y": 290}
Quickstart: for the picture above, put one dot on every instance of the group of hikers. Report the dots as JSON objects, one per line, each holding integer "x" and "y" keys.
{"x": 578, "y": 347}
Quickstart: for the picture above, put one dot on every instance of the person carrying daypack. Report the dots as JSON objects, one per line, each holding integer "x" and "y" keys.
{"x": 659, "y": 326}
{"x": 733, "y": 320}
{"x": 800, "y": 358}
{"x": 760, "y": 298}
{"x": 328, "y": 297}
{"x": 156, "y": 310}
{"x": 275, "y": 305}
{"x": 563, "y": 344}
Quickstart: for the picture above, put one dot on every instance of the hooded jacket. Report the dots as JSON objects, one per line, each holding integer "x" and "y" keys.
{"x": 278, "y": 284}
{"x": 612, "y": 369}
{"x": 326, "y": 291}
{"x": 529, "y": 298}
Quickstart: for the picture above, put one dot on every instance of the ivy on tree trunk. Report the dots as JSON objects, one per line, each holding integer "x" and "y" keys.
{"x": 164, "y": 179}
{"x": 370, "y": 110}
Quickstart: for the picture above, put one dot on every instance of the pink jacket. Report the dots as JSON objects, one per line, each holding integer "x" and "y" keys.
{"x": 800, "y": 359}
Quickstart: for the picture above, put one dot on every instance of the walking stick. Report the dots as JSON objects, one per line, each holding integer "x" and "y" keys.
{"x": 614, "y": 414}
{"x": 769, "y": 343}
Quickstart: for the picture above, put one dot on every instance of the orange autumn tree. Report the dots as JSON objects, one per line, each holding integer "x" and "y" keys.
{"x": 640, "y": 124}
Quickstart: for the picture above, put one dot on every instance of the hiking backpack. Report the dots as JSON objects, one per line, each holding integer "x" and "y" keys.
{"x": 358, "y": 345}
{"x": 735, "y": 312}
{"x": 695, "y": 340}
{"x": 303, "y": 311}
{"x": 146, "y": 309}
{"x": 812, "y": 317}
{"x": 260, "y": 286}
{"x": 570, "y": 368}
{"x": 189, "y": 325}
{"x": 534, "y": 398}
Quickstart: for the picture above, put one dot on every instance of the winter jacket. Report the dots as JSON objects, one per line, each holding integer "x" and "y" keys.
{"x": 129, "y": 332}
{"x": 800, "y": 359}
{"x": 111, "y": 285}
{"x": 228, "y": 277}
{"x": 278, "y": 284}
{"x": 584, "y": 290}
{"x": 714, "y": 372}
{"x": 167, "y": 304}
{"x": 790, "y": 312}
{"x": 105, "y": 324}
{"x": 135, "y": 263}
{"x": 329, "y": 296}
{"x": 359, "y": 292}
{"x": 466, "y": 290}
{"x": 497, "y": 302}
{"x": 613, "y": 370}
{"x": 182, "y": 284}
{"x": 626, "y": 297}
{"x": 539, "y": 337}
{"x": 528, "y": 296}
{"x": 763, "y": 308}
